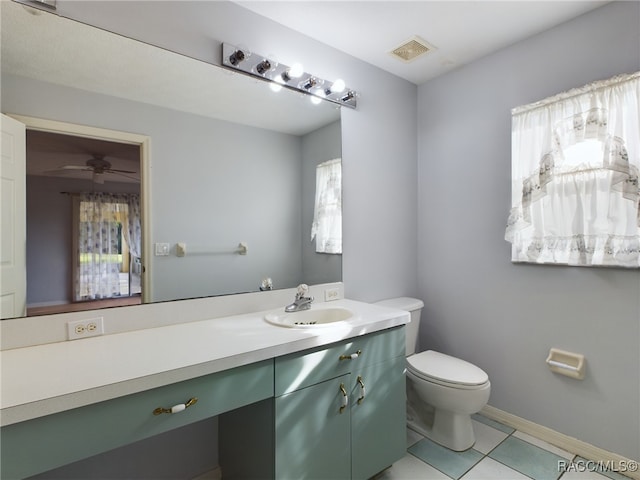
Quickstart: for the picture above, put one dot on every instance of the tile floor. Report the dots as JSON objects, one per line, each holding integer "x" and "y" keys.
{"x": 500, "y": 453}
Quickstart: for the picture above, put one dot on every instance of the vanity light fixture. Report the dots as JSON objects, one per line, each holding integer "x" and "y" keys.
{"x": 265, "y": 66}
{"x": 279, "y": 76}
{"x": 336, "y": 87}
{"x": 350, "y": 95}
{"x": 310, "y": 83}
{"x": 295, "y": 71}
{"x": 238, "y": 56}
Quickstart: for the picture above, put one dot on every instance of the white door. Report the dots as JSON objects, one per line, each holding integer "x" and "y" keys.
{"x": 13, "y": 236}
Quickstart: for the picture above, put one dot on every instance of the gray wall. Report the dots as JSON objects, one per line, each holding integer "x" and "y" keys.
{"x": 210, "y": 187}
{"x": 317, "y": 147}
{"x": 504, "y": 317}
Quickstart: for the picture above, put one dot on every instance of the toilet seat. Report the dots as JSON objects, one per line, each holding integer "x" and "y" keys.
{"x": 446, "y": 370}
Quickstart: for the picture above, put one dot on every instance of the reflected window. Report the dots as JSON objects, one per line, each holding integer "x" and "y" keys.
{"x": 327, "y": 214}
{"x": 107, "y": 245}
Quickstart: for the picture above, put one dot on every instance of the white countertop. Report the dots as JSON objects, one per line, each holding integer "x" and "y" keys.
{"x": 50, "y": 378}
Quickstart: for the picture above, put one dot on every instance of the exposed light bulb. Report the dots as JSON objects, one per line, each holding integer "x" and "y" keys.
{"x": 338, "y": 86}
{"x": 317, "y": 97}
{"x": 277, "y": 83}
{"x": 296, "y": 70}
{"x": 275, "y": 86}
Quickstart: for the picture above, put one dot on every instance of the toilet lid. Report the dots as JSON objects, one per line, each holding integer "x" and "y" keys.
{"x": 445, "y": 368}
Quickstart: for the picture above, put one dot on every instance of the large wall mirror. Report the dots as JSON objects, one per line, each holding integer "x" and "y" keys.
{"x": 227, "y": 162}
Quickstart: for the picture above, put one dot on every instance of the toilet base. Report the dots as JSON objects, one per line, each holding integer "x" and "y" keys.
{"x": 451, "y": 430}
{"x": 464, "y": 437}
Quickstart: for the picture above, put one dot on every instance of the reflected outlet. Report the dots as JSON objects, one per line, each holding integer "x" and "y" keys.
{"x": 331, "y": 294}
{"x": 91, "y": 327}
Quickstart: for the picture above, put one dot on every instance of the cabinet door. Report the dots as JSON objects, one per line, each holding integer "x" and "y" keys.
{"x": 378, "y": 421}
{"x": 313, "y": 432}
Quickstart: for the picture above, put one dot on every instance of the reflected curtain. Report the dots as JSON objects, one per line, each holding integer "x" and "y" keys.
{"x": 103, "y": 220}
{"x": 575, "y": 164}
{"x": 134, "y": 239}
{"x": 327, "y": 215}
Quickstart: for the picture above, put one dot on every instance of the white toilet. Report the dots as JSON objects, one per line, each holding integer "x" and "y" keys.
{"x": 442, "y": 391}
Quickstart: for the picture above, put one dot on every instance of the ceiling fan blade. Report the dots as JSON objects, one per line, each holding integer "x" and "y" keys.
{"x": 128, "y": 176}
{"x": 115, "y": 170}
{"x": 76, "y": 167}
{"x": 64, "y": 171}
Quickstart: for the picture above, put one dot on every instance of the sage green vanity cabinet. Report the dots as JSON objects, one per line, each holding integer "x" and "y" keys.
{"x": 378, "y": 421}
{"x": 332, "y": 412}
{"x": 322, "y": 427}
{"x": 312, "y": 432}
{"x": 340, "y": 411}
{"x": 44, "y": 443}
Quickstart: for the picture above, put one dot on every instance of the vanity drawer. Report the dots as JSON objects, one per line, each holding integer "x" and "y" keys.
{"x": 47, "y": 442}
{"x": 300, "y": 370}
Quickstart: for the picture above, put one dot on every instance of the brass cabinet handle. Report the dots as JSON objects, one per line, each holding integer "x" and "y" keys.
{"x": 362, "y": 389}
{"x": 353, "y": 356}
{"x": 176, "y": 408}
{"x": 345, "y": 398}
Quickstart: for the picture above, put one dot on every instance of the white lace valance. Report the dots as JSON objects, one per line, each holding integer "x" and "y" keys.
{"x": 575, "y": 164}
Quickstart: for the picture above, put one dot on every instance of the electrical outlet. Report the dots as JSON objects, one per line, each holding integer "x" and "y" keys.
{"x": 331, "y": 294}
{"x": 91, "y": 327}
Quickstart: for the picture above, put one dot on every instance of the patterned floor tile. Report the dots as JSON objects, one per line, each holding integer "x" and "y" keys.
{"x": 411, "y": 468}
{"x": 489, "y": 469}
{"x": 454, "y": 464}
{"x": 487, "y": 438}
{"x": 533, "y": 461}
{"x": 542, "y": 444}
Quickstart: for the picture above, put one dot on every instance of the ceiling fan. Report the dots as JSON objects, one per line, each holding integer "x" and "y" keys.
{"x": 98, "y": 166}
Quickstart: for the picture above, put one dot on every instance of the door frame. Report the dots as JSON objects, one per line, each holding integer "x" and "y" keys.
{"x": 144, "y": 144}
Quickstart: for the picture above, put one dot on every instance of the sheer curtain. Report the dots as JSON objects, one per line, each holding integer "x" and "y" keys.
{"x": 102, "y": 221}
{"x": 133, "y": 234}
{"x": 327, "y": 215}
{"x": 575, "y": 162}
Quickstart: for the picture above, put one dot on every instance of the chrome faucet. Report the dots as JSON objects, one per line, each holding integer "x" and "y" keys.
{"x": 302, "y": 301}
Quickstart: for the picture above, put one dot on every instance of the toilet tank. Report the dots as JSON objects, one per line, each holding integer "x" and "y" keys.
{"x": 414, "y": 307}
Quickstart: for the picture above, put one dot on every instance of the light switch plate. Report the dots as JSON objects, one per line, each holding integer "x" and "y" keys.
{"x": 162, "y": 249}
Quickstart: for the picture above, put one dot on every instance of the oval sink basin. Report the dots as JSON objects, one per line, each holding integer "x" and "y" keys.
{"x": 318, "y": 318}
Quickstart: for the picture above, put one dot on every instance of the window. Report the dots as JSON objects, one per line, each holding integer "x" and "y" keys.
{"x": 105, "y": 245}
{"x": 327, "y": 214}
{"x": 575, "y": 163}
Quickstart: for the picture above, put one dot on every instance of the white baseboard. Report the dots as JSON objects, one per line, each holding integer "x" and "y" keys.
{"x": 215, "y": 474}
{"x": 560, "y": 440}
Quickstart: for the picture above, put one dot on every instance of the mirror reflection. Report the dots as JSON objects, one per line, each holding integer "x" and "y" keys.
{"x": 228, "y": 162}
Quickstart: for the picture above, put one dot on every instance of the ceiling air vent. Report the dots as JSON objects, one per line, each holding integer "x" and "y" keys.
{"x": 411, "y": 49}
